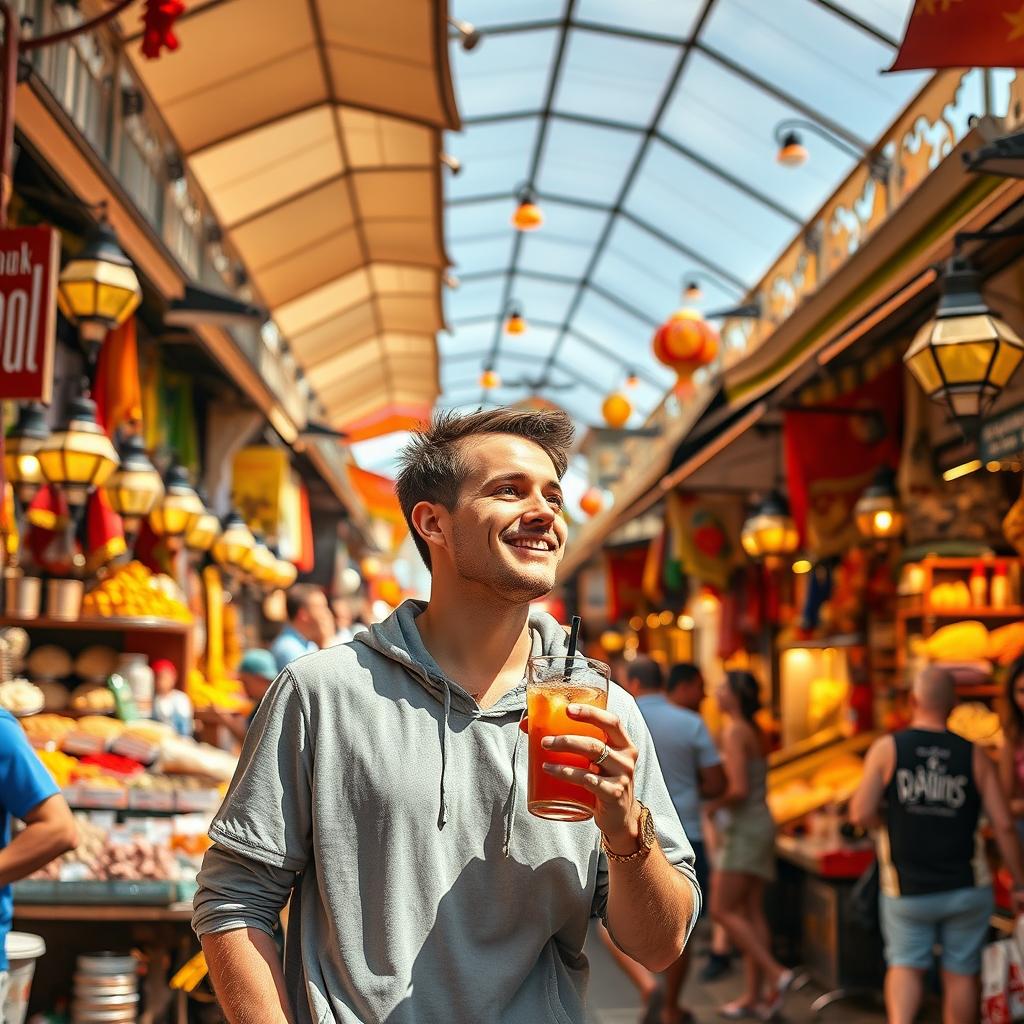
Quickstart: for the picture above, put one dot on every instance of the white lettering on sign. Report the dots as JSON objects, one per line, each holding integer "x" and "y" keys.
{"x": 19, "y": 315}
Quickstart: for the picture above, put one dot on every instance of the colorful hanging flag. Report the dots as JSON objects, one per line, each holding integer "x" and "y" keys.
{"x": 700, "y": 540}
{"x": 625, "y": 567}
{"x": 117, "y": 391}
{"x": 307, "y": 552}
{"x": 104, "y": 532}
{"x": 963, "y": 34}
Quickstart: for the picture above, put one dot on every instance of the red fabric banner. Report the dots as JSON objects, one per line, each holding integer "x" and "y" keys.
{"x": 117, "y": 391}
{"x": 963, "y": 34}
{"x": 832, "y": 457}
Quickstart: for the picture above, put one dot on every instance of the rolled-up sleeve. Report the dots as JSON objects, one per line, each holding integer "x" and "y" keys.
{"x": 237, "y": 892}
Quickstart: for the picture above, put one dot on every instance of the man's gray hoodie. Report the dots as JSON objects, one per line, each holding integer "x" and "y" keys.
{"x": 424, "y": 891}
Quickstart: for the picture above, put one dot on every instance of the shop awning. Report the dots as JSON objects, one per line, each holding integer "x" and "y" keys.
{"x": 316, "y": 138}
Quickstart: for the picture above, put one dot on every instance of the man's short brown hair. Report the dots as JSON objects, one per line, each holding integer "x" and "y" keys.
{"x": 431, "y": 464}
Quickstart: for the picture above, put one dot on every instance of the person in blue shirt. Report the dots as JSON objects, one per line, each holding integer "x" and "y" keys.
{"x": 28, "y": 793}
{"x": 693, "y": 772}
{"x": 310, "y": 625}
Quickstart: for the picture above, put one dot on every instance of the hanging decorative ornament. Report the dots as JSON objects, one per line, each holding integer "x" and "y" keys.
{"x": 489, "y": 379}
{"x": 515, "y": 323}
{"x": 527, "y": 215}
{"x": 616, "y": 410}
{"x": 351, "y": 581}
{"x": 685, "y": 342}
{"x": 371, "y": 567}
{"x": 158, "y": 27}
{"x": 592, "y": 501}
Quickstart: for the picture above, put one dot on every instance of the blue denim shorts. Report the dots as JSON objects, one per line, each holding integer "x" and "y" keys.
{"x": 957, "y": 921}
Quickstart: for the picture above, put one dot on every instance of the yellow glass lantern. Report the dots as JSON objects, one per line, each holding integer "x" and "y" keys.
{"x": 23, "y": 440}
{"x": 261, "y": 564}
{"x": 135, "y": 486}
{"x": 232, "y": 547}
{"x": 878, "y": 512}
{"x": 285, "y": 574}
{"x": 78, "y": 457}
{"x": 181, "y": 505}
{"x": 97, "y": 289}
{"x": 967, "y": 354}
{"x": 770, "y": 532}
{"x": 202, "y": 532}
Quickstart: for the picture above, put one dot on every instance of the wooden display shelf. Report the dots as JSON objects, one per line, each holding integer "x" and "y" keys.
{"x": 111, "y": 624}
{"x": 923, "y": 610}
{"x": 176, "y": 912}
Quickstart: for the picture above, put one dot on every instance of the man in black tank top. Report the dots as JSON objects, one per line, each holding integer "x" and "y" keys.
{"x": 923, "y": 792}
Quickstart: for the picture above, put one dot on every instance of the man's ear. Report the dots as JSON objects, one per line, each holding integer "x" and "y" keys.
{"x": 429, "y": 521}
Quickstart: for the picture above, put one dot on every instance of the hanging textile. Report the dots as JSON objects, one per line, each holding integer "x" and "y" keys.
{"x": 117, "y": 390}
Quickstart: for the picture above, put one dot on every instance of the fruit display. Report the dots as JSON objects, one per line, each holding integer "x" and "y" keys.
{"x": 132, "y": 591}
{"x": 223, "y": 694}
{"x": 94, "y": 698}
{"x": 958, "y": 642}
{"x": 21, "y": 698}
{"x": 48, "y": 730}
{"x": 976, "y": 722}
{"x": 833, "y": 782}
{"x": 950, "y": 596}
{"x": 1006, "y": 644}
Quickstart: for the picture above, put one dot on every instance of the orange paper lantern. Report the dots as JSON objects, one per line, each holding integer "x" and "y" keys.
{"x": 592, "y": 501}
{"x": 616, "y": 411}
{"x": 391, "y": 591}
{"x": 515, "y": 324}
{"x": 489, "y": 379}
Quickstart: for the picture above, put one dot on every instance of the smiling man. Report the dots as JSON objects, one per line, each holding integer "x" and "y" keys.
{"x": 382, "y": 785}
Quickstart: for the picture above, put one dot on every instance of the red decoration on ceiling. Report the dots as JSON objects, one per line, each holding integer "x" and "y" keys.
{"x": 158, "y": 26}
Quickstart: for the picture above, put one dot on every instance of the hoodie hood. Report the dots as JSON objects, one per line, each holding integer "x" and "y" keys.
{"x": 398, "y": 639}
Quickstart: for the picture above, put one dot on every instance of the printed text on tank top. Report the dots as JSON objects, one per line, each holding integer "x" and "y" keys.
{"x": 928, "y": 788}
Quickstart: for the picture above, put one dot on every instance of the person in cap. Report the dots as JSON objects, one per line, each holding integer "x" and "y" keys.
{"x": 256, "y": 671}
{"x": 171, "y": 706}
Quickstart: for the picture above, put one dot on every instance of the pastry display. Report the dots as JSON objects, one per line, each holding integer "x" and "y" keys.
{"x": 20, "y": 698}
{"x": 49, "y": 662}
{"x": 93, "y": 698}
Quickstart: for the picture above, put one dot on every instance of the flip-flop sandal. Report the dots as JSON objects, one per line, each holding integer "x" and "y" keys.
{"x": 733, "y": 1012}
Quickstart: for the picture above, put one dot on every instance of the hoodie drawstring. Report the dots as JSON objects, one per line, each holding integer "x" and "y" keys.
{"x": 510, "y": 804}
{"x": 442, "y": 817}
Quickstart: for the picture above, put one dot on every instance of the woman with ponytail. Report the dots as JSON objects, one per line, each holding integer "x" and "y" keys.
{"x": 747, "y": 860}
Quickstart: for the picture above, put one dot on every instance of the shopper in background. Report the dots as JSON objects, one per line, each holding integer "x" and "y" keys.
{"x": 747, "y": 859}
{"x": 933, "y": 872}
{"x": 693, "y": 772}
{"x": 310, "y": 625}
{"x": 1011, "y": 753}
{"x": 29, "y": 793}
{"x": 685, "y": 688}
{"x": 346, "y": 624}
{"x": 171, "y": 706}
{"x": 256, "y": 671}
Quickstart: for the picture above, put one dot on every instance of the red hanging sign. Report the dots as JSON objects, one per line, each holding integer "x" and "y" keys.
{"x": 29, "y": 264}
{"x": 963, "y": 34}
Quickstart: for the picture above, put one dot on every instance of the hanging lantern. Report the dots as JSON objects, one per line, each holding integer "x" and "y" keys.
{"x": 612, "y": 641}
{"x": 231, "y": 548}
{"x": 351, "y": 581}
{"x": 23, "y": 440}
{"x": 514, "y": 322}
{"x": 770, "y": 532}
{"x": 632, "y": 380}
{"x": 791, "y": 152}
{"x": 135, "y": 486}
{"x": 202, "y": 531}
{"x": 685, "y": 342}
{"x": 260, "y": 563}
{"x": 967, "y": 354}
{"x": 285, "y": 574}
{"x": 878, "y": 512}
{"x": 693, "y": 292}
{"x": 616, "y": 411}
{"x": 489, "y": 379}
{"x": 98, "y": 290}
{"x": 172, "y": 516}
{"x": 592, "y": 501}
{"x": 79, "y": 457}
{"x": 527, "y": 215}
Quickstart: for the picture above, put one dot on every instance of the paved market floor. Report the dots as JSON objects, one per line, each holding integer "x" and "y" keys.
{"x": 614, "y": 1001}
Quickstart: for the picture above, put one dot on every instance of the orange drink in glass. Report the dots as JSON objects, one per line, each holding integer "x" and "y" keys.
{"x": 553, "y": 683}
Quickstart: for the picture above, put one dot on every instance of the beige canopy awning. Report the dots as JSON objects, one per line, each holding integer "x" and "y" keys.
{"x": 314, "y": 128}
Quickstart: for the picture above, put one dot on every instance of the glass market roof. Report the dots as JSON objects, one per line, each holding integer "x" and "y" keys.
{"x": 647, "y": 130}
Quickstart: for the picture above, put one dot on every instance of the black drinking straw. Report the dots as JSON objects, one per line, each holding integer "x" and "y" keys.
{"x": 574, "y": 637}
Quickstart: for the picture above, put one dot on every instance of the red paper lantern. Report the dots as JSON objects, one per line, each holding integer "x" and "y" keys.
{"x": 592, "y": 501}
{"x": 685, "y": 342}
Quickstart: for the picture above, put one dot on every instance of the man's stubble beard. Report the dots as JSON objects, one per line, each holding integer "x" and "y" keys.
{"x": 476, "y": 565}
